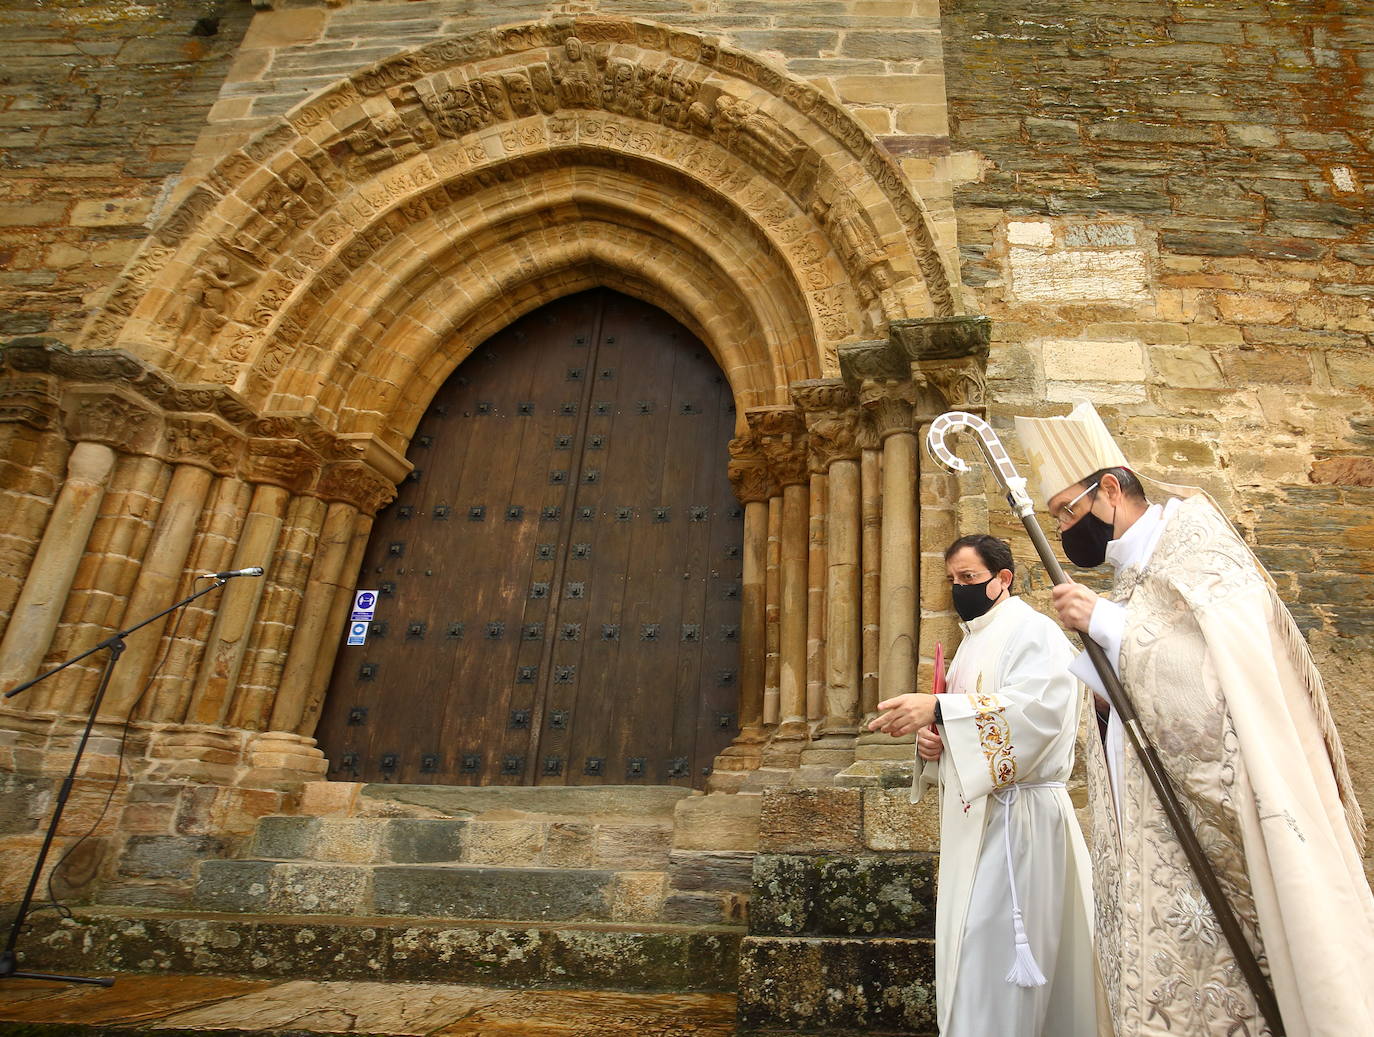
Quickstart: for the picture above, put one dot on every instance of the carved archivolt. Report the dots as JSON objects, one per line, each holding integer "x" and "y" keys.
{"x": 244, "y": 283}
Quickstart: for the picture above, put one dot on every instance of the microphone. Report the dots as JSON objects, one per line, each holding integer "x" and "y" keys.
{"x": 252, "y": 570}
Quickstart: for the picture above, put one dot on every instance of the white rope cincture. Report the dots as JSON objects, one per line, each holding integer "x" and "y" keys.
{"x": 1024, "y": 971}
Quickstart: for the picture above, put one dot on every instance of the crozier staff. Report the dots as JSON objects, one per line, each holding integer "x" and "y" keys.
{"x": 1225, "y": 687}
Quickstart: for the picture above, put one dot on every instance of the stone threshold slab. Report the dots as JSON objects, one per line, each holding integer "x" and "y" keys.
{"x": 171, "y": 1006}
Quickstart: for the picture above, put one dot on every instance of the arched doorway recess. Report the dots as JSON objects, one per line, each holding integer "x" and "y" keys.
{"x": 560, "y": 574}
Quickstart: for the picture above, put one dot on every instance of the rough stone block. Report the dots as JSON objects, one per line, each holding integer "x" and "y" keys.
{"x": 633, "y": 846}
{"x": 717, "y": 822}
{"x": 167, "y": 856}
{"x": 893, "y": 822}
{"x": 234, "y": 885}
{"x": 843, "y": 895}
{"x": 24, "y": 803}
{"x": 798, "y": 820}
{"x": 560, "y": 894}
{"x": 1082, "y": 361}
{"x": 510, "y": 843}
{"x": 837, "y": 985}
{"x": 636, "y": 896}
{"x": 320, "y": 888}
{"x": 1068, "y": 276}
{"x": 423, "y": 840}
{"x": 711, "y": 870}
{"x": 284, "y": 838}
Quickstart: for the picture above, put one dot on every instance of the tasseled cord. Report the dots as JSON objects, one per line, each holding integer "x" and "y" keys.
{"x": 1024, "y": 971}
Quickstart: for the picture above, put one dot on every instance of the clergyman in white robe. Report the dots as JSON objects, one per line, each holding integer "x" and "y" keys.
{"x": 1009, "y": 720}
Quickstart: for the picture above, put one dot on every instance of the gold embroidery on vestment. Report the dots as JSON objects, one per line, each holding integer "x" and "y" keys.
{"x": 994, "y": 735}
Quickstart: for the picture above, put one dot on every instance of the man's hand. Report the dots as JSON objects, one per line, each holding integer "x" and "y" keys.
{"x": 1075, "y": 604}
{"x": 929, "y": 746}
{"x": 903, "y": 714}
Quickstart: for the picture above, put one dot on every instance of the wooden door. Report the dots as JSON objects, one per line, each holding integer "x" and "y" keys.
{"x": 560, "y": 575}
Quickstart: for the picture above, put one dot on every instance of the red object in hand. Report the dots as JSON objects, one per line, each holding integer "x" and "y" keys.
{"x": 939, "y": 683}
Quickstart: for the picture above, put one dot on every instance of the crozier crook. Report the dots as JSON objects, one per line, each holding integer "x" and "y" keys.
{"x": 1014, "y": 486}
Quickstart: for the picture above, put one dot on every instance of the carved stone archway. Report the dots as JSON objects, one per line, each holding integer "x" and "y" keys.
{"x": 343, "y": 261}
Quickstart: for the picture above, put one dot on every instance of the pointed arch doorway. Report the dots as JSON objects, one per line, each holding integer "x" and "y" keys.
{"x": 559, "y": 577}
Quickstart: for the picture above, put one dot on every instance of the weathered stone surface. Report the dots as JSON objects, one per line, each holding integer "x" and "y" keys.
{"x": 490, "y": 892}
{"x": 663, "y": 957}
{"x": 798, "y": 820}
{"x": 167, "y": 856}
{"x": 847, "y": 895}
{"x": 837, "y": 986}
{"x": 717, "y": 822}
{"x": 24, "y": 803}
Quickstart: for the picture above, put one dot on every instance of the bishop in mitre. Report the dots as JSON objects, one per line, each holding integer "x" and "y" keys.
{"x": 1226, "y": 689}
{"x": 1013, "y": 915}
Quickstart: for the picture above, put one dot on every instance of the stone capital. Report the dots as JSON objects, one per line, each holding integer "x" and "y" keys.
{"x": 111, "y": 415}
{"x": 356, "y": 483}
{"x": 781, "y": 434}
{"x": 890, "y": 405}
{"x": 748, "y": 471}
{"x": 861, "y": 362}
{"x": 204, "y": 440}
{"x": 287, "y": 463}
{"x": 835, "y": 427}
{"x": 959, "y": 384}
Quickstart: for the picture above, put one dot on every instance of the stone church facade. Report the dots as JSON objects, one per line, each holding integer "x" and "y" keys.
{"x": 247, "y": 249}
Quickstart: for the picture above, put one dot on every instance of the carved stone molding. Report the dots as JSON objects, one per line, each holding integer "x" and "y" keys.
{"x": 29, "y": 400}
{"x": 748, "y": 471}
{"x": 781, "y": 434}
{"x": 353, "y": 482}
{"x": 941, "y": 338}
{"x": 109, "y": 415}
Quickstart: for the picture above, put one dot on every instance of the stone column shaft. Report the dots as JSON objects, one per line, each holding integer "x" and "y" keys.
{"x": 158, "y": 580}
{"x": 870, "y": 474}
{"x": 772, "y": 613}
{"x": 31, "y": 461}
{"x": 843, "y": 621}
{"x": 897, "y": 596}
{"x": 312, "y": 631}
{"x": 228, "y": 641}
{"x": 212, "y": 550}
{"x": 339, "y": 612}
{"x": 792, "y": 637}
{"x": 753, "y": 617}
{"x": 40, "y": 604}
{"x": 815, "y": 597}
{"x": 270, "y": 635}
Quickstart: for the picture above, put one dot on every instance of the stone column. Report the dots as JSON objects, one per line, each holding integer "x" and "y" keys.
{"x": 890, "y": 406}
{"x": 198, "y": 447}
{"x": 835, "y": 434}
{"x": 212, "y": 550}
{"x": 772, "y": 612}
{"x": 39, "y": 608}
{"x": 819, "y": 507}
{"x": 782, "y": 435}
{"x": 353, "y": 488}
{"x": 338, "y": 615}
{"x": 99, "y": 419}
{"x": 753, "y": 486}
{"x": 33, "y": 453}
{"x": 277, "y": 468}
{"x": 870, "y": 555}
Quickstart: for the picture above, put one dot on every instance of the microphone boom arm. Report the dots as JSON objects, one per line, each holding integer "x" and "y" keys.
{"x": 1014, "y": 485}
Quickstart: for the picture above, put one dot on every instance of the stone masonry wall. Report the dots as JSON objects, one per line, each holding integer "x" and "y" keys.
{"x": 100, "y": 104}
{"x": 1167, "y": 212}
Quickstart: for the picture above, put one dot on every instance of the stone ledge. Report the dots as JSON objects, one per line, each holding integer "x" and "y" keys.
{"x": 597, "y": 955}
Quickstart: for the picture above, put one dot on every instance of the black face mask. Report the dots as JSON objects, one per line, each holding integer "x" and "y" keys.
{"x": 1085, "y": 542}
{"x": 971, "y": 599}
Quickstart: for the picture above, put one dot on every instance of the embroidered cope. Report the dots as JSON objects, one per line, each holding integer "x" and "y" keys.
{"x": 1225, "y": 688}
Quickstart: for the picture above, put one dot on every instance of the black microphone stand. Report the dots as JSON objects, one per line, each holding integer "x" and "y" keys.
{"x": 9, "y": 961}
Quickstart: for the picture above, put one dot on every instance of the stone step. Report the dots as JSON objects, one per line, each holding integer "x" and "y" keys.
{"x": 455, "y": 891}
{"x": 582, "y": 803}
{"x": 639, "y": 845}
{"x": 501, "y": 954}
